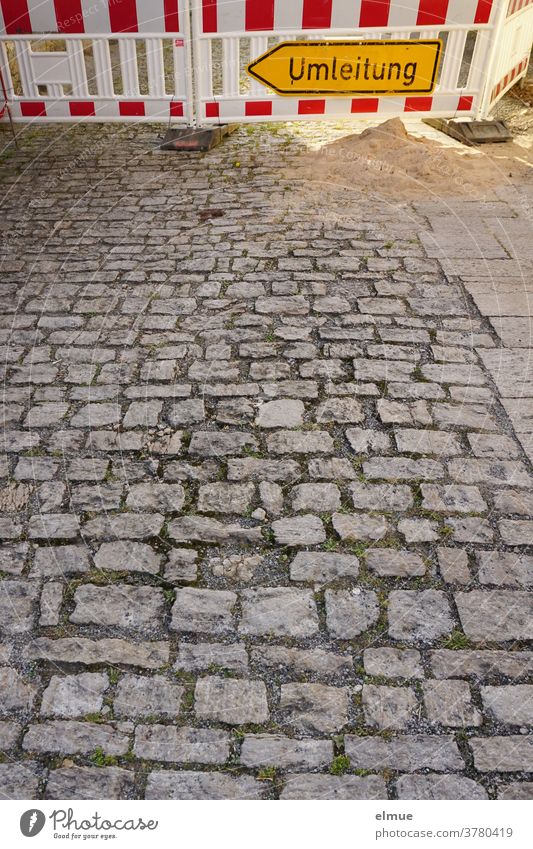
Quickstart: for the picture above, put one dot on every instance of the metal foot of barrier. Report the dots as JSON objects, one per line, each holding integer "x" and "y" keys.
{"x": 195, "y": 139}
{"x": 473, "y": 132}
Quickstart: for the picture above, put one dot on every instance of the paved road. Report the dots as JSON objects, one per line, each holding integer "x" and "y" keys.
{"x": 265, "y": 481}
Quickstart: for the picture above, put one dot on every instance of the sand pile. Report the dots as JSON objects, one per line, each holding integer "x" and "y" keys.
{"x": 387, "y": 161}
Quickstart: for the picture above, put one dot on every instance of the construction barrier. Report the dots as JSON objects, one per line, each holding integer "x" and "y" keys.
{"x": 186, "y": 60}
{"x": 111, "y": 60}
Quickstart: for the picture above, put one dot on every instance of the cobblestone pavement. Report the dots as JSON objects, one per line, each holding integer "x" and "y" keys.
{"x": 266, "y": 519}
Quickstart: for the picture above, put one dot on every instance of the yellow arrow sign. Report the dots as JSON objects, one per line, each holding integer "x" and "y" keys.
{"x": 349, "y": 68}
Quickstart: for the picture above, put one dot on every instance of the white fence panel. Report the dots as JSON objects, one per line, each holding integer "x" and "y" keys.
{"x": 227, "y": 35}
{"x": 513, "y": 49}
{"x": 110, "y": 61}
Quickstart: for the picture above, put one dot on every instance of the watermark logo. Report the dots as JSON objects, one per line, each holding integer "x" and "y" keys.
{"x": 32, "y": 822}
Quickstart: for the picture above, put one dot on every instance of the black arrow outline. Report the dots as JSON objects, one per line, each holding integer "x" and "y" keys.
{"x": 321, "y": 93}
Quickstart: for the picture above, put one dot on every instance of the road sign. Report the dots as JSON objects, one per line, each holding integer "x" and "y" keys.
{"x": 349, "y": 68}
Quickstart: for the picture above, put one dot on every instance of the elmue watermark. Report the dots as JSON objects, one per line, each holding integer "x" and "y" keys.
{"x": 64, "y": 823}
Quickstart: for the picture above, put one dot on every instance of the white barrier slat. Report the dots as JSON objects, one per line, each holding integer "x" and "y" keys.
{"x": 96, "y": 16}
{"x": 127, "y": 49}
{"x": 155, "y": 67}
{"x": 103, "y": 67}
{"x": 78, "y": 71}
{"x": 29, "y": 86}
{"x": 345, "y": 15}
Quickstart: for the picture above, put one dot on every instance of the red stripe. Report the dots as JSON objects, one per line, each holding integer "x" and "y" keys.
{"x": 311, "y": 107}
{"x": 259, "y": 15}
{"x": 123, "y": 16}
{"x": 209, "y": 15}
{"x": 33, "y": 109}
{"x": 374, "y": 13}
{"x": 258, "y": 108}
{"x": 172, "y": 18}
{"x": 418, "y": 104}
{"x": 16, "y": 16}
{"x": 176, "y": 109}
{"x": 484, "y": 8}
{"x": 365, "y": 104}
{"x": 317, "y": 14}
{"x": 69, "y": 15}
{"x": 81, "y": 109}
{"x": 465, "y": 103}
{"x": 133, "y": 108}
{"x": 431, "y": 12}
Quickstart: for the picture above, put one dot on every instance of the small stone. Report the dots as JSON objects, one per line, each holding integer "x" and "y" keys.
{"x": 59, "y": 560}
{"x": 216, "y": 444}
{"x": 186, "y": 413}
{"x": 141, "y": 696}
{"x": 162, "y": 497}
{"x": 81, "y": 650}
{"x": 380, "y": 496}
{"x": 278, "y": 611}
{"x": 15, "y": 693}
{"x": 274, "y": 750}
{"x": 83, "y": 782}
{"x": 236, "y": 567}
{"x": 320, "y": 497}
{"x": 439, "y": 787}
{"x": 74, "y": 695}
{"x": 405, "y": 753}
{"x": 457, "y": 499}
{"x": 323, "y": 567}
{"x": 503, "y": 754}
{"x": 313, "y": 707}
{"x": 300, "y": 442}
{"x": 299, "y": 530}
{"x": 390, "y": 563}
{"x": 127, "y": 556}
{"x": 69, "y": 737}
{"x": 393, "y": 663}
{"x": 341, "y": 410}
{"x": 328, "y": 787}
{"x": 231, "y": 701}
{"x": 450, "y": 703}
{"x": 421, "y": 616}
{"x": 283, "y": 414}
{"x": 511, "y": 704}
{"x": 360, "y": 526}
{"x": 169, "y": 744}
{"x": 350, "y": 612}
{"x": 200, "y": 786}
{"x": 234, "y": 498}
{"x": 271, "y": 495}
{"x": 122, "y": 606}
{"x": 388, "y": 707}
{"x": 502, "y": 568}
{"x": 181, "y": 565}
{"x": 498, "y": 615}
{"x": 418, "y": 530}
{"x": 194, "y": 657}
{"x": 317, "y": 661}
{"x": 453, "y": 564}
{"x": 199, "y": 610}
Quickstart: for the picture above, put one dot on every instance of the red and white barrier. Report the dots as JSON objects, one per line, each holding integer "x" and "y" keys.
{"x": 90, "y": 79}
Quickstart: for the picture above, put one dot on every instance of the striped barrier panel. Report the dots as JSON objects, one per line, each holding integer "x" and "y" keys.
{"x": 228, "y": 35}
{"x": 513, "y": 50}
{"x": 111, "y": 60}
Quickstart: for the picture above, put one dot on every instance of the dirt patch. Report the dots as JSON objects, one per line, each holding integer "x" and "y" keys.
{"x": 387, "y": 160}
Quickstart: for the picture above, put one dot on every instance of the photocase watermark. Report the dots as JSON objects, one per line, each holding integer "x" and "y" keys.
{"x": 32, "y": 822}
{"x": 66, "y": 825}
